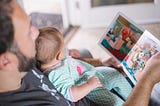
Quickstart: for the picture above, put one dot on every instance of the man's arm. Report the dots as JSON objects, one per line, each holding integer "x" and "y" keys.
{"x": 77, "y": 55}
{"x": 111, "y": 61}
{"x": 140, "y": 94}
{"x": 94, "y": 62}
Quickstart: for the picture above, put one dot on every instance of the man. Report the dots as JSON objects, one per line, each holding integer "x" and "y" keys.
{"x": 20, "y": 85}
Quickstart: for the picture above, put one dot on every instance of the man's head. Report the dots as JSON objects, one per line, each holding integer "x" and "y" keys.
{"x": 17, "y": 37}
{"x": 49, "y": 45}
{"x": 6, "y": 26}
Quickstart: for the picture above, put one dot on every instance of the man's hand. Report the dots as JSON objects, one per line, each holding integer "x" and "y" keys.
{"x": 152, "y": 69}
{"x": 111, "y": 62}
{"x": 74, "y": 53}
{"x": 149, "y": 77}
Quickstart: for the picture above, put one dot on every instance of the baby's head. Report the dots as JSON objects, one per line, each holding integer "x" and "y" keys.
{"x": 49, "y": 45}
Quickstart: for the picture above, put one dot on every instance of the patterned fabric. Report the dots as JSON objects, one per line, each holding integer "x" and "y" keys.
{"x": 111, "y": 79}
{"x": 66, "y": 75}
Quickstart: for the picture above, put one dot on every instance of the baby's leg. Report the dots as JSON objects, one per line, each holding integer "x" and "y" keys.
{"x": 104, "y": 97}
{"x": 101, "y": 96}
{"x": 112, "y": 79}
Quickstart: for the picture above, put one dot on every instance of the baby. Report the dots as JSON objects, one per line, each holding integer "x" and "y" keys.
{"x": 75, "y": 79}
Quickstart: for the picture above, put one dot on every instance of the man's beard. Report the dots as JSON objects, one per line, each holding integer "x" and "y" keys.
{"x": 25, "y": 63}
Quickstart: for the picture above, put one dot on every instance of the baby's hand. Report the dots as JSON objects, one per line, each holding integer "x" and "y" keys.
{"x": 111, "y": 62}
{"x": 94, "y": 82}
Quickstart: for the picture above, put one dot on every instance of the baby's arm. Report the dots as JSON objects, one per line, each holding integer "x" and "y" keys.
{"x": 78, "y": 92}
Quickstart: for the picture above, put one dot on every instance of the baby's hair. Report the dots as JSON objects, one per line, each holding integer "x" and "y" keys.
{"x": 48, "y": 44}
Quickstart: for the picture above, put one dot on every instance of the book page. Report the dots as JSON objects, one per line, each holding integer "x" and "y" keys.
{"x": 136, "y": 59}
{"x": 120, "y": 37}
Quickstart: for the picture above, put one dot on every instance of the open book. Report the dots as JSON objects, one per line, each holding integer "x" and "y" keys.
{"x": 131, "y": 45}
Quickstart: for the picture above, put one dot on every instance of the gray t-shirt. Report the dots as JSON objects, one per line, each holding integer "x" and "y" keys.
{"x": 36, "y": 90}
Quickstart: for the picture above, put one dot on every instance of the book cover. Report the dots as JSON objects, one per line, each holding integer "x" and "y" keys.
{"x": 130, "y": 44}
{"x": 135, "y": 61}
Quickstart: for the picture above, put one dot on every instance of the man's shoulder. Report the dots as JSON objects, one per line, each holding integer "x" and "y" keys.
{"x": 35, "y": 90}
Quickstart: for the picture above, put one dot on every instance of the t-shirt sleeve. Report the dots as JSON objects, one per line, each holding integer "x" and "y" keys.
{"x": 62, "y": 82}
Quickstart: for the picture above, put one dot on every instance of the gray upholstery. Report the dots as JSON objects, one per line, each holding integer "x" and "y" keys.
{"x": 85, "y": 53}
{"x": 47, "y": 19}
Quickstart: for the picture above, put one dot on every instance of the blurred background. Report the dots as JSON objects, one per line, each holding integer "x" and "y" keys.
{"x": 83, "y": 22}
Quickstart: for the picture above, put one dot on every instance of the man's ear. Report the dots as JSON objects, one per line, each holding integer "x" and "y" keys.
{"x": 3, "y": 61}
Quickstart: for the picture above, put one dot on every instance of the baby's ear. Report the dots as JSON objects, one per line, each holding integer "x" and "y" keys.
{"x": 58, "y": 56}
{"x": 3, "y": 61}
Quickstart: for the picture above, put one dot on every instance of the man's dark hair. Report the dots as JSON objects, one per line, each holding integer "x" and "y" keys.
{"x": 6, "y": 26}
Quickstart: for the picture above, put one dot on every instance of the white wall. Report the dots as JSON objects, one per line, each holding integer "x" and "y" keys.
{"x": 47, "y": 6}
{"x": 86, "y": 17}
{"x": 74, "y": 12}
